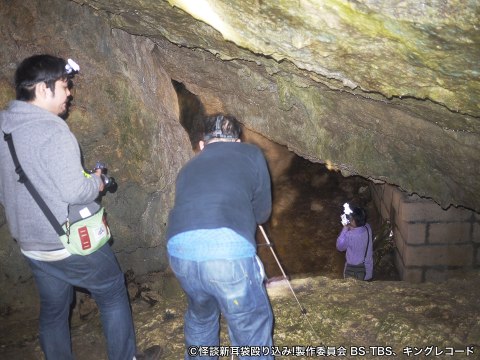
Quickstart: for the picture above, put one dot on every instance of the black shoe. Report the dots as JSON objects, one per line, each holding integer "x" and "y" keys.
{"x": 152, "y": 353}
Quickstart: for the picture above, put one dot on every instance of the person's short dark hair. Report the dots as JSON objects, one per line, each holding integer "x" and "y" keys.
{"x": 359, "y": 215}
{"x": 221, "y": 127}
{"x": 36, "y": 69}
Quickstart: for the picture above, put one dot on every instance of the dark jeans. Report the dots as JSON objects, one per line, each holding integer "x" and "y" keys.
{"x": 100, "y": 274}
{"x": 232, "y": 287}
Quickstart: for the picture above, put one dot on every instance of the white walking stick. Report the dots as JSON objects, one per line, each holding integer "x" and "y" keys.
{"x": 304, "y": 312}
{"x": 281, "y": 269}
{"x": 269, "y": 244}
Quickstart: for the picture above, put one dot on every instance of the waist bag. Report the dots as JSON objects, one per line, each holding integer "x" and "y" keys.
{"x": 85, "y": 235}
{"x": 358, "y": 271}
{"x": 86, "y": 229}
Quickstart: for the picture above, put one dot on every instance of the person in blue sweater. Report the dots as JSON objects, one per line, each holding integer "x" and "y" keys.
{"x": 222, "y": 194}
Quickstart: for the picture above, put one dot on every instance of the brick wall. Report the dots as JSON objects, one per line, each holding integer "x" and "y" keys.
{"x": 432, "y": 244}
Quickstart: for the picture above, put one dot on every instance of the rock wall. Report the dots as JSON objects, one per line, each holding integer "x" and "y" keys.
{"x": 125, "y": 113}
{"x": 387, "y": 92}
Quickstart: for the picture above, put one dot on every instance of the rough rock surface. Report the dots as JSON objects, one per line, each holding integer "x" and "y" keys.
{"x": 387, "y": 92}
{"x": 384, "y": 91}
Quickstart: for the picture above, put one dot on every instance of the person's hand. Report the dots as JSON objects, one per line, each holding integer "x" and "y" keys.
{"x": 98, "y": 172}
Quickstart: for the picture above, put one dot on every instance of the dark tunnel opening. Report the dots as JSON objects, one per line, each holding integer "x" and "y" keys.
{"x": 308, "y": 200}
{"x": 191, "y": 113}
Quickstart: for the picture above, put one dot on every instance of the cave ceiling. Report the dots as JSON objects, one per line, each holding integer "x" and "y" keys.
{"x": 388, "y": 90}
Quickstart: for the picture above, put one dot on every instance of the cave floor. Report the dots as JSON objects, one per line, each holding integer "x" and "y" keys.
{"x": 388, "y": 316}
{"x": 340, "y": 313}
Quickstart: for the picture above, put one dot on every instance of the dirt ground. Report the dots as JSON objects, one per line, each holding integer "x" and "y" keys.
{"x": 308, "y": 202}
{"x": 341, "y": 317}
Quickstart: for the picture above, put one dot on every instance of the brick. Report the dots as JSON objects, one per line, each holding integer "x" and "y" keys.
{"x": 429, "y": 211}
{"x": 413, "y": 275}
{"x": 449, "y": 233}
{"x": 436, "y": 275}
{"x": 476, "y": 233}
{"x": 399, "y": 241}
{"x": 443, "y": 255}
{"x": 398, "y": 197}
{"x": 459, "y": 214}
{"x": 413, "y": 233}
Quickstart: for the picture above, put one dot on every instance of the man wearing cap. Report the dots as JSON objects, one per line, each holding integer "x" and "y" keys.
{"x": 49, "y": 154}
{"x": 222, "y": 194}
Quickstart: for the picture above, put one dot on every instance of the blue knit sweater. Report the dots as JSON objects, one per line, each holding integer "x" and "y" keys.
{"x": 226, "y": 185}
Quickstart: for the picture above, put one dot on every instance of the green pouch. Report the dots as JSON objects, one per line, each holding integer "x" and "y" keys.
{"x": 86, "y": 236}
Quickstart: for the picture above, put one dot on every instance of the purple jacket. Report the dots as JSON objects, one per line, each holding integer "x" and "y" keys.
{"x": 354, "y": 241}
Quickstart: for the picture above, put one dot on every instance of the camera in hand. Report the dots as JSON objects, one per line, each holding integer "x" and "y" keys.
{"x": 345, "y": 220}
{"x": 108, "y": 181}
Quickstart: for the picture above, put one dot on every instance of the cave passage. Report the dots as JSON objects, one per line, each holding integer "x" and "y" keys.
{"x": 307, "y": 203}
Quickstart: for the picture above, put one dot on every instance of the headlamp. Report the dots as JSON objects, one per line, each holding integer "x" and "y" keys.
{"x": 346, "y": 209}
{"x": 218, "y": 132}
{"x": 71, "y": 68}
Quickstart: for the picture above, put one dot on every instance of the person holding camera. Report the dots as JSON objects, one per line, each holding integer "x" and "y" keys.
{"x": 50, "y": 157}
{"x": 356, "y": 239}
{"x": 222, "y": 194}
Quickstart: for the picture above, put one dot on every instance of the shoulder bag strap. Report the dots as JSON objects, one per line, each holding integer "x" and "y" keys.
{"x": 36, "y": 196}
{"x": 368, "y": 243}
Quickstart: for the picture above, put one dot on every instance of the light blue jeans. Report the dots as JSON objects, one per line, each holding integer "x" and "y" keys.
{"x": 233, "y": 288}
{"x": 100, "y": 274}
